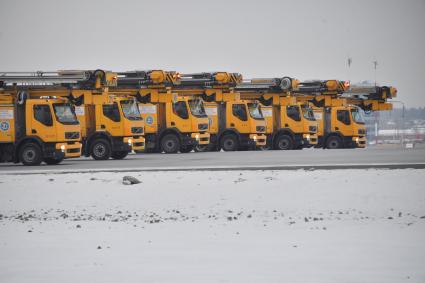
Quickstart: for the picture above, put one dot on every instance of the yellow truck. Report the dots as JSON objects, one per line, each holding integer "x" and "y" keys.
{"x": 172, "y": 123}
{"x": 290, "y": 124}
{"x": 337, "y": 108}
{"x": 37, "y": 128}
{"x": 235, "y": 124}
{"x": 111, "y": 125}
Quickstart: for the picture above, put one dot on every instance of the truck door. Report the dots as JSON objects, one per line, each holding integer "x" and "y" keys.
{"x": 40, "y": 121}
{"x": 343, "y": 122}
{"x": 179, "y": 117}
{"x": 293, "y": 120}
{"x": 111, "y": 119}
{"x": 239, "y": 118}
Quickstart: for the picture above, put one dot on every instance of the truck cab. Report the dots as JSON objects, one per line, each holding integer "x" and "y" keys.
{"x": 112, "y": 126}
{"x": 341, "y": 127}
{"x": 34, "y": 130}
{"x": 176, "y": 125}
{"x": 295, "y": 126}
{"x": 236, "y": 124}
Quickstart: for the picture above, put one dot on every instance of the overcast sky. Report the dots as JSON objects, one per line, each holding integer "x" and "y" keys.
{"x": 302, "y": 39}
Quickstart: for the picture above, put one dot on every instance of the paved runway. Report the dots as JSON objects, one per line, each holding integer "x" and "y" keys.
{"x": 248, "y": 160}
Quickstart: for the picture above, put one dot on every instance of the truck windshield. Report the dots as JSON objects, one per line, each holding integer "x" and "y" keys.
{"x": 65, "y": 114}
{"x": 255, "y": 111}
{"x": 357, "y": 116}
{"x": 197, "y": 108}
{"x": 308, "y": 113}
{"x": 130, "y": 110}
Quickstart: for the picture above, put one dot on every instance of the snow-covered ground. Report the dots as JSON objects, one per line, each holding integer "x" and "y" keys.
{"x": 248, "y": 226}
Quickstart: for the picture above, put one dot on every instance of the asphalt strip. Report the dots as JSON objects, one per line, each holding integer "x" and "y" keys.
{"x": 308, "y": 167}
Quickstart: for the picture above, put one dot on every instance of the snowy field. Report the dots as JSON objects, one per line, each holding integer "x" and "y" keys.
{"x": 248, "y": 226}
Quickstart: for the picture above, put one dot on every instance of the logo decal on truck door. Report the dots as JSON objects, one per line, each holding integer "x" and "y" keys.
{"x": 149, "y": 120}
{"x": 4, "y": 126}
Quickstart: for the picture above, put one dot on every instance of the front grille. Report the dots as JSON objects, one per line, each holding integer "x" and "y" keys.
{"x": 204, "y": 139}
{"x": 139, "y": 144}
{"x": 312, "y": 129}
{"x": 137, "y": 130}
{"x": 73, "y": 150}
{"x": 72, "y": 135}
{"x": 362, "y": 132}
{"x": 260, "y": 129}
{"x": 203, "y": 127}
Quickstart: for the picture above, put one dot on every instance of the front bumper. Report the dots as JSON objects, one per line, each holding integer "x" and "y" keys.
{"x": 359, "y": 142}
{"x": 135, "y": 143}
{"x": 69, "y": 150}
{"x": 201, "y": 138}
{"x": 310, "y": 140}
{"x": 258, "y": 139}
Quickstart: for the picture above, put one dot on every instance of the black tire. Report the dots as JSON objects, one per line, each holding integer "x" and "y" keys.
{"x": 284, "y": 142}
{"x": 53, "y": 161}
{"x": 30, "y": 154}
{"x": 170, "y": 143}
{"x": 119, "y": 154}
{"x": 100, "y": 149}
{"x": 229, "y": 143}
{"x": 186, "y": 149}
{"x": 334, "y": 142}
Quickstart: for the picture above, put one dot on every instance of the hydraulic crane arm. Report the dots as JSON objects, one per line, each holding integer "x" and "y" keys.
{"x": 148, "y": 79}
{"x": 83, "y": 79}
{"x": 381, "y": 93}
{"x": 213, "y": 79}
{"x": 370, "y": 98}
{"x": 284, "y": 84}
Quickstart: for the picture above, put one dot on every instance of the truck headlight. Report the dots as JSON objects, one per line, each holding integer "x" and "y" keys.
{"x": 130, "y": 142}
{"x": 63, "y": 148}
{"x": 307, "y": 137}
{"x": 356, "y": 139}
{"x": 197, "y": 137}
{"x": 254, "y": 138}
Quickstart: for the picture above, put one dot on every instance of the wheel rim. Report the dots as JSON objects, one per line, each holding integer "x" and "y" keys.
{"x": 283, "y": 144}
{"x": 170, "y": 145}
{"x": 333, "y": 144}
{"x": 99, "y": 150}
{"x": 229, "y": 144}
{"x": 29, "y": 155}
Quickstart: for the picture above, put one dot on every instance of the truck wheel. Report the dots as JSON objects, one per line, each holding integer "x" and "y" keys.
{"x": 119, "y": 154}
{"x": 186, "y": 149}
{"x": 334, "y": 142}
{"x": 30, "y": 154}
{"x": 100, "y": 149}
{"x": 53, "y": 161}
{"x": 284, "y": 142}
{"x": 229, "y": 143}
{"x": 170, "y": 143}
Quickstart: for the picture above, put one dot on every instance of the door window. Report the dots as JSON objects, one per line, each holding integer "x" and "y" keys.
{"x": 293, "y": 112}
{"x": 180, "y": 109}
{"x": 111, "y": 111}
{"x": 43, "y": 115}
{"x": 239, "y": 110}
{"x": 343, "y": 116}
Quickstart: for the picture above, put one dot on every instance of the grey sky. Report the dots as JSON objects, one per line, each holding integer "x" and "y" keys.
{"x": 303, "y": 39}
